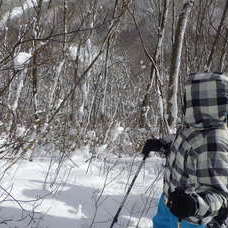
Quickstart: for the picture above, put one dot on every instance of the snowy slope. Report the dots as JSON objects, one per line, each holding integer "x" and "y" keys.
{"x": 17, "y": 12}
{"x": 84, "y": 194}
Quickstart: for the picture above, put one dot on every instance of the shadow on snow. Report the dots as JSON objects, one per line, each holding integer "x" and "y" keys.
{"x": 75, "y": 207}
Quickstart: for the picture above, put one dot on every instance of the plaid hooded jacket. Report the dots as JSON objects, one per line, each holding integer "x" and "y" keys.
{"x": 198, "y": 161}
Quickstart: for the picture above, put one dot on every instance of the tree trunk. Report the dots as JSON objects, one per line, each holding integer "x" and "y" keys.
{"x": 224, "y": 54}
{"x": 36, "y": 32}
{"x": 218, "y": 34}
{"x": 145, "y": 102}
{"x": 172, "y": 107}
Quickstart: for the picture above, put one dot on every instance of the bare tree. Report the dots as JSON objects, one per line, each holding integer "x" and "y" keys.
{"x": 172, "y": 107}
{"x": 218, "y": 34}
{"x": 145, "y": 103}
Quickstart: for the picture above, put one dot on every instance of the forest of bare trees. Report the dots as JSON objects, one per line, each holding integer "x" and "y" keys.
{"x": 72, "y": 70}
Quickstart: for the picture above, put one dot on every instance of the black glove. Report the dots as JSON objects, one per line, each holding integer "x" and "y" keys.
{"x": 182, "y": 205}
{"x": 152, "y": 145}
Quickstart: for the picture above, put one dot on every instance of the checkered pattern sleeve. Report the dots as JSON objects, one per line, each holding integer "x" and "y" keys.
{"x": 212, "y": 176}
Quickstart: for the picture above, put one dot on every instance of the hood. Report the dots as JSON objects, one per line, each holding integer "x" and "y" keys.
{"x": 206, "y": 100}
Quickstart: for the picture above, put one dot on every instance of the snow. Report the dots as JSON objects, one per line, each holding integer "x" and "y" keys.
{"x": 73, "y": 52}
{"x": 85, "y": 53}
{"x": 21, "y": 59}
{"x": 18, "y": 11}
{"x": 83, "y": 193}
{"x": 115, "y": 132}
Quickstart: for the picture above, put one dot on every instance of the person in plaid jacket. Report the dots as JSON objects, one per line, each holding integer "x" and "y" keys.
{"x": 195, "y": 191}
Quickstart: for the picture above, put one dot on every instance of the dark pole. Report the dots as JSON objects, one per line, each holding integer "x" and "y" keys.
{"x": 115, "y": 219}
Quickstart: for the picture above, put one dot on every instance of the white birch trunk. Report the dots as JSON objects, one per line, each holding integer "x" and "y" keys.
{"x": 88, "y": 56}
{"x": 172, "y": 107}
{"x": 53, "y": 89}
{"x": 21, "y": 79}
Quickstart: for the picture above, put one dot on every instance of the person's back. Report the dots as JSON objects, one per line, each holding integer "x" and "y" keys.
{"x": 197, "y": 166}
{"x": 196, "y": 175}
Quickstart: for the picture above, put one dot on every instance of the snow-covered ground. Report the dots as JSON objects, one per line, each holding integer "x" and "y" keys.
{"x": 85, "y": 193}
